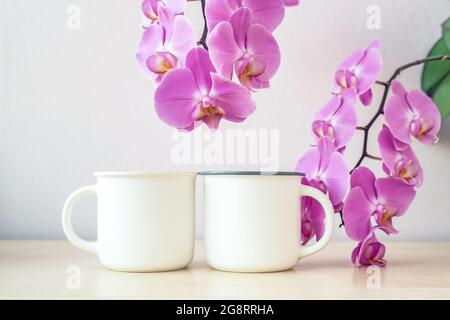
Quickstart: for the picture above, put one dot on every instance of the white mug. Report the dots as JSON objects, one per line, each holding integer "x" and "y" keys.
{"x": 145, "y": 220}
{"x": 252, "y": 221}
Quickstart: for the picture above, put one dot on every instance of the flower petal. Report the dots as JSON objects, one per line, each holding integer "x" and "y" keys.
{"x": 387, "y": 149}
{"x": 357, "y": 212}
{"x": 289, "y": 3}
{"x": 262, "y": 46}
{"x": 355, "y": 254}
{"x": 366, "y": 97}
{"x": 182, "y": 39}
{"x": 398, "y": 89}
{"x": 317, "y": 217}
{"x": 312, "y": 215}
{"x": 233, "y": 98}
{"x": 394, "y": 194}
{"x": 351, "y": 60}
{"x": 326, "y": 149}
{"x": 309, "y": 163}
{"x": 199, "y": 63}
{"x": 223, "y": 49}
{"x": 151, "y": 42}
{"x": 337, "y": 178}
{"x": 176, "y": 6}
{"x": 365, "y": 179}
{"x": 150, "y": 8}
{"x": 166, "y": 19}
{"x": 376, "y": 44}
{"x": 368, "y": 69}
{"x": 217, "y": 11}
{"x": 268, "y": 13}
{"x": 398, "y": 117}
{"x": 174, "y": 103}
{"x": 240, "y": 22}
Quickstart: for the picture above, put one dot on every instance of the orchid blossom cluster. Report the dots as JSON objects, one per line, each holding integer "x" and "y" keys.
{"x": 368, "y": 204}
{"x": 211, "y": 80}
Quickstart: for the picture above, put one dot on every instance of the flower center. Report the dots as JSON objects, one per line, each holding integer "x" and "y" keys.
{"x": 248, "y": 68}
{"x": 383, "y": 217}
{"x": 419, "y": 127}
{"x": 319, "y": 184}
{"x": 152, "y": 16}
{"x": 307, "y": 230}
{"x": 161, "y": 62}
{"x": 406, "y": 169}
{"x": 373, "y": 254}
{"x": 209, "y": 114}
{"x": 150, "y": 13}
{"x": 346, "y": 79}
{"x": 323, "y": 129}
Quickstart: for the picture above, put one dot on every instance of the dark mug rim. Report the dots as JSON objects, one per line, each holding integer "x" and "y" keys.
{"x": 250, "y": 173}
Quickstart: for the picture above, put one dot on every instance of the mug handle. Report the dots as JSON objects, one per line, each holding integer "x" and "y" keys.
{"x": 90, "y": 246}
{"x": 319, "y": 196}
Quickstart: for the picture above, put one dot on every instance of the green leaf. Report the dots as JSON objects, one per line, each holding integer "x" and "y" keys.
{"x": 434, "y": 72}
{"x": 446, "y": 33}
{"x": 441, "y": 97}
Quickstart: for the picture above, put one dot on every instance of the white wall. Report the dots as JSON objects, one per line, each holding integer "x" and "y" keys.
{"x": 75, "y": 102}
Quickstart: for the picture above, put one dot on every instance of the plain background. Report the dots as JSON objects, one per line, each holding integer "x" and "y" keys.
{"x": 74, "y": 102}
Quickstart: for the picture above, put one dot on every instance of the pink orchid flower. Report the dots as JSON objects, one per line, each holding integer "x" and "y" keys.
{"x": 358, "y": 72}
{"x": 399, "y": 158}
{"x": 412, "y": 113}
{"x": 336, "y": 120}
{"x": 151, "y": 8}
{"x": 194, "y": 94}
{"x": 312, "y": 215}
{"x": 269, "y": 13}
{"x": 382, "y": 198}
{"x": 246, "y": 47}
{"x": 369, "y": 251}
{"x": 164, "y": 46}
{"x": 325, "y": 167}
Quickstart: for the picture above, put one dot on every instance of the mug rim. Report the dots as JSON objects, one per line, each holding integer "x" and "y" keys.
{"x": 142, "y": 173}
{"x": 251, "y": 173}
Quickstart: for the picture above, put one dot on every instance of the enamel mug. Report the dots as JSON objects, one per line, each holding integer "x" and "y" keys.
{"x": 252, "y": 221}
{"x": 145, "y": 221}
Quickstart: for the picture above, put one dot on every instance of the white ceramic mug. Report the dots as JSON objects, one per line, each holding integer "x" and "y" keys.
{"x": 252, "y": 221}
{"x": 145, "y": 220}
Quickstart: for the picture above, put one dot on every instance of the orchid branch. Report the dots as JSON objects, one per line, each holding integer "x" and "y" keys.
{"x": 380, "y": 111}
{"x": 202, "y": 40}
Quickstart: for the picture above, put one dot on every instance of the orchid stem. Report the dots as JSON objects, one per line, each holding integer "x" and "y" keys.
{"x": 382, "y": 83}
{"x": 373, "y": 157}
{"x": 202, "y": 40}
{"x": 342, "y": 220}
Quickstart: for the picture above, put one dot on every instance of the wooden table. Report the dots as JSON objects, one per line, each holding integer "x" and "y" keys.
{"x": 50, "y": 269}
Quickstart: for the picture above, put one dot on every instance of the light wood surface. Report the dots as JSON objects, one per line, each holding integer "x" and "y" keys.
{"x": 39, "y": 269}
